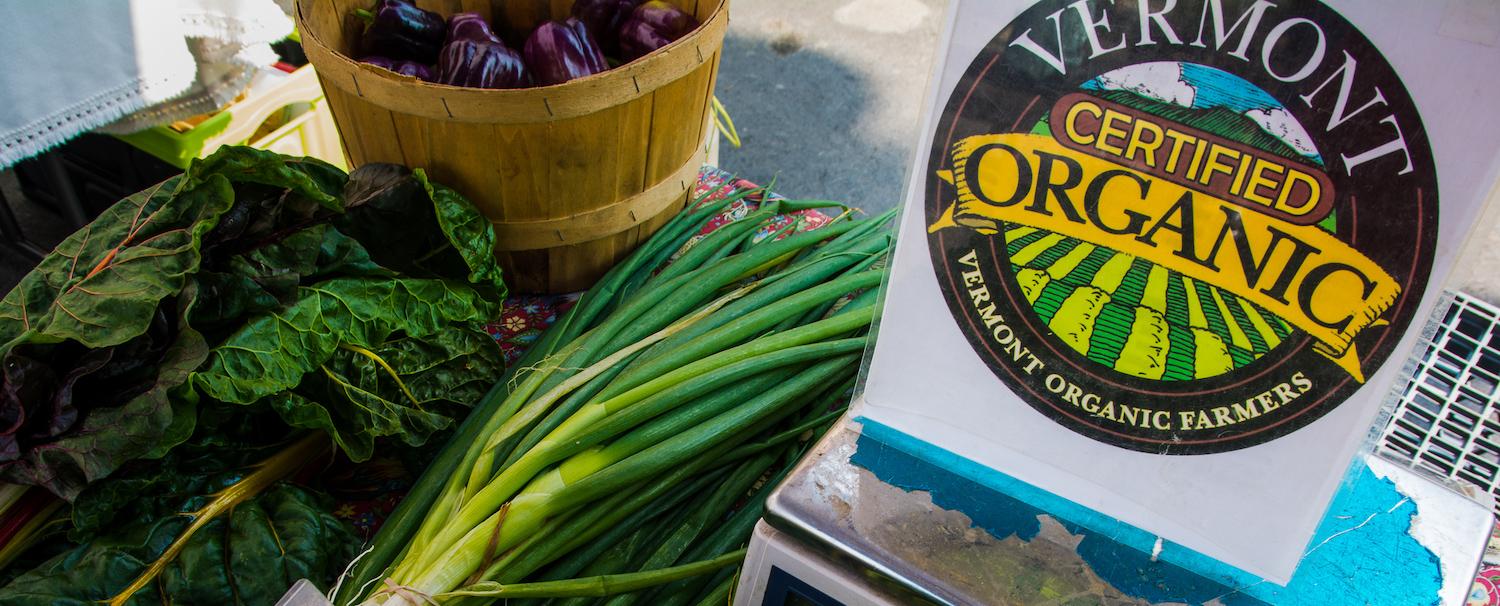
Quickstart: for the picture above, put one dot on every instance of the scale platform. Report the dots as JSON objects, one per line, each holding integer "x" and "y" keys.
{"x": 873, "y": 517}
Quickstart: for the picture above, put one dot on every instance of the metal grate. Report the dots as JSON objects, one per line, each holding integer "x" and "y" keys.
{"x": 1447, "y": 418}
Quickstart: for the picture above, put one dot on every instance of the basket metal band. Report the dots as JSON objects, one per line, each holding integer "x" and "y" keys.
{"x": 605, "y": 221}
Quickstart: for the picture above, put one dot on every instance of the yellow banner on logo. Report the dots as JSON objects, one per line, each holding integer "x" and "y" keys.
{"x": 1301, "y": 273}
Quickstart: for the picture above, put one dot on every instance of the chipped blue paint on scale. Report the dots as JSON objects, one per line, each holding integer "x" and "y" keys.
{"x": 1362, "y": 553}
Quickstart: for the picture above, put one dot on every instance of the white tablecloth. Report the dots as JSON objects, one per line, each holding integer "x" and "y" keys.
{"x": 77, "y": 65}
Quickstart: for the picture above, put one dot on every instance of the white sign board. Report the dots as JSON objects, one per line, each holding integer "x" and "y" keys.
{"x": 1162, "y": 258}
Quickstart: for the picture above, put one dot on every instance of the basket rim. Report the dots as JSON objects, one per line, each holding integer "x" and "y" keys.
{"x": 574, "y": 98}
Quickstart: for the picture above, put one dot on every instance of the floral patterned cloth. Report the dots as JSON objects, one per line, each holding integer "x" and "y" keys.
{"x": 523, "y": 319}
{"x": 1486, "y": 590}
{"x": 367, "y": 492}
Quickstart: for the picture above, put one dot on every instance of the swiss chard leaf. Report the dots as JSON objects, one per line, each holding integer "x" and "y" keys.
{"x": 299, "y": 177}
{"x": 408, "y": 388}
{"x": 355, "y": 418}
{"x": 227, "y": 442}
{"x": 92, "y": 340}
{"x": 314, "y": 362}
{"x": 240, "y": 268}
{"x": 101, "y": 285}
{"x": 455, "y": 365}
{"x": 275, "y": 237}
{"x": 267, "y": 277}
{"x": 419, "y": 228}
{"x": 468, "y": 231}
{"x": 250, "y": 556}
{"x": 112, "y": 404}
{"x": 272, "y": 352}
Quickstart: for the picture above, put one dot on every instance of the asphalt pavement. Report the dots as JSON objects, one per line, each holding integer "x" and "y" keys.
{"x": 827, "y": 94}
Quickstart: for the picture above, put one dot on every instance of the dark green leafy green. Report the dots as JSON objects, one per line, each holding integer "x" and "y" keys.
{"x": 419, "y": 228}
{"x": 101, "y": 286}
{"x": 327, "y": 361}
{"x": 272, "y": 352}
{"x": 77, "y": 414}
{"x": 468, "y": 231}
{"x": 217, "y": 456}
{"x": 289, "y": 176}
{"x": 95, "y": 340}
{"x": 249, "y": 556}
{"x": 267, "y": 277}
{"x": 455, "y": 365}
{"x": 356, "y": 399}
{"x": 191, "y": 328}
{"x": 246, "y": 256}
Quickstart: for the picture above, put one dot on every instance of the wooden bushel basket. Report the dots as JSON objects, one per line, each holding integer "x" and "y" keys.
{"x": 573, "y": 176}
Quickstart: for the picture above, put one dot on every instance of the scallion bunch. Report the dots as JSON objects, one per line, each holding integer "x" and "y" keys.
{"x": 617, "y": 458}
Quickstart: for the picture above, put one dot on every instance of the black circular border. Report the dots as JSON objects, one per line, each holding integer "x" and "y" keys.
{"x": 1398, "y": 229}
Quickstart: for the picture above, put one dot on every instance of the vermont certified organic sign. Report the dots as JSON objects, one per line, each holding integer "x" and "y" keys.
{"x": 1165, "y": 258}
{"x": 1181, "y": 230}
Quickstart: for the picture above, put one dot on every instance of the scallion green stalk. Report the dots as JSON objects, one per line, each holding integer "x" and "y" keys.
{"x": 656, "y": 381}
{"x": 601, "y": 585}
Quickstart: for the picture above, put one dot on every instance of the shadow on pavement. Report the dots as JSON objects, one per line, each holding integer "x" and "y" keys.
{"x": 800, "y": 113}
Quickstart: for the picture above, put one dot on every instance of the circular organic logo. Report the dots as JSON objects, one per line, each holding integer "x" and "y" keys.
{"x": 1181, "y": 230}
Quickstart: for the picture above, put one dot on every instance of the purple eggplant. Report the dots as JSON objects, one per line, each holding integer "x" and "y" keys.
{"x": 405, "y": 68}
{"x": 604, "y": 18}
{"x": 400, "y": 30}
{"x": 478, "y": 64}
{"x": 561, "y": 51}
{"x": 470, "y": 26}
{"x": 637, "y": 39}
{"x": 415, "y": 70}
{"x": 379, "y": 61}
{"x": 652, "y": 25}
{"x": 671, "y": 21}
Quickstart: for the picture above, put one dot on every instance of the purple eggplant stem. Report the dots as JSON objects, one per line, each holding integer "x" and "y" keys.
{"x": 561, "y": 51}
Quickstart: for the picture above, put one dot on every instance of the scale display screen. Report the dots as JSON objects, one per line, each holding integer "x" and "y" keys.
{"x": 783, "y": 589}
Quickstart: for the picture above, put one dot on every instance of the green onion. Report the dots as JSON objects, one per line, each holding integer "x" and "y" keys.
{"x": 598, "y": 586}
{"x": 619, "y": 451}
{"x": 719, "y": 595}
{"x": 560, "y": 490}
{"x": 692, "y": 527}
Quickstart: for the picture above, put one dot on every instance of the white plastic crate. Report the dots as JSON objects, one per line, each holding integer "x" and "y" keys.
{"x": 1446, "y": 420}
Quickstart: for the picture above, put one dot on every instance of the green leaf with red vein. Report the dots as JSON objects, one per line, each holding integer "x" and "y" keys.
{"x": 101, "y": 285}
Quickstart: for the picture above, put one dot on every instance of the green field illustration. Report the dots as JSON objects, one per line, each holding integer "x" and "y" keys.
{"x": 1132, "y": 315}
{"x": 1135, "y": 316}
